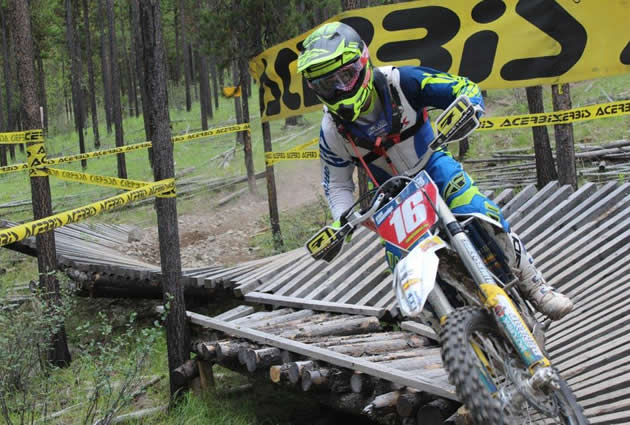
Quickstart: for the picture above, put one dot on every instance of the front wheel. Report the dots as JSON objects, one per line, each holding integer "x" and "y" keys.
{"x": 491, "y": 379}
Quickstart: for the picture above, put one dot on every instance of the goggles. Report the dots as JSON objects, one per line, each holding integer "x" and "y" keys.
{"x": 342, "y": 80}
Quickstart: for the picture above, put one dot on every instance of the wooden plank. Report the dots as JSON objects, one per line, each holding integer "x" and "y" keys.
{"x": 349, "y": 276}
{"x": 589, "y": 320}
{"x": 550, "y": 218}
{"x": 287, "y": 275}
{"x": 534, "y": 213}
{"x": 364, "y": 279}
{"x": 608, "y": 195}
{"x": 517, "y": 214}
{"x": 235, "y": 313}
{"x": 522, "y": 197}
{"x": 420, "y": 329}
{"x": 553, "y": 255}
{"x": 341, "y": 360}
{"x": 504, "y": 197}
{"x": 383, "y": 285}
{"x": 295, "y": 302}
{"x": 578, "y": 267}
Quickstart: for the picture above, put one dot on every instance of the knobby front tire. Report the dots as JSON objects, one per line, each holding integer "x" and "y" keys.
{"x": 463, "y": 365}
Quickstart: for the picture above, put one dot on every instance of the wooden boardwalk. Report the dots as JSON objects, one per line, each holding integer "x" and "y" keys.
{"x": 580, "y": 240}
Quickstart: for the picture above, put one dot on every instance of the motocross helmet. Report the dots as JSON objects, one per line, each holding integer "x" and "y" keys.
{"x": 336, "y": 64}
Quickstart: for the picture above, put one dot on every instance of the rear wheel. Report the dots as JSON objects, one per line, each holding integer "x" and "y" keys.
{"x": 491, "y": 379}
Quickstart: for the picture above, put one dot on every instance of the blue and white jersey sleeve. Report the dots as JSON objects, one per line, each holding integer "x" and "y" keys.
{"x": 424, "y": 86}
{"x": 337, "y": 169}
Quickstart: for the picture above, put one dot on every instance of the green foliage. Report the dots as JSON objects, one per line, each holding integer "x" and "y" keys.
{"x": 26, "y": 378}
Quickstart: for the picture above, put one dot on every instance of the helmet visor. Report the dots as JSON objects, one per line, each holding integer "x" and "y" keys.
{"x": 338, "y": 82}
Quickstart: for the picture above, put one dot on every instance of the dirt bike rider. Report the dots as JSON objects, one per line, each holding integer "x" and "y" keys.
{"x": 376, "y": 118}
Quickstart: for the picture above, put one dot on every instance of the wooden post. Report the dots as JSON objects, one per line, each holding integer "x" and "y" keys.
{"x": 58, "y": 353}
{"x": 177, "y": 331}
{"x": 545, "y": 168}
{"x": 565, "y": 149}
{"x": 274, "y": 216}
{"x": 247, "y": 135}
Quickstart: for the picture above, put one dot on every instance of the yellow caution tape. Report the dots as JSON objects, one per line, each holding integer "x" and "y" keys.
{"x": 13, "y": 168}
{"x": 19, "y": 137}
{"x": 96, "y": 154}
{"x": 211, "y": 132}
{"x": 273, "y": 157}
{"x": 585, "y": 113}
{"x": 23, "y": 231}
{"x": 36, "y": 156}
{"x": 305, "y": 145}
{"x": 115, "y": 182}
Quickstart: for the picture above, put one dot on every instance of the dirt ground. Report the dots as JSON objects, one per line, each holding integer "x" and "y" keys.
{"x": 219, "y": 235}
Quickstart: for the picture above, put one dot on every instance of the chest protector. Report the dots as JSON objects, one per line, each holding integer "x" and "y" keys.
{"x": 378, "y": 147}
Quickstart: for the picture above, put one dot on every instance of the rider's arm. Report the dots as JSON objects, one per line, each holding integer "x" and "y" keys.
{"x": 337, "y": 169}
{"x": 428, "y": 87}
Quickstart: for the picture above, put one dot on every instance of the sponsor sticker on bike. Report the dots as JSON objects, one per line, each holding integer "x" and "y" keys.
{"x": 408, "y": 217}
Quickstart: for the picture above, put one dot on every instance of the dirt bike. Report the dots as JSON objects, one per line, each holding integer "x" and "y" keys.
{"x": 492, "y": 345}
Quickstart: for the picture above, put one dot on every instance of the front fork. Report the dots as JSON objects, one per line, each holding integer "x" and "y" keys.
{"x": 493, "y": 296}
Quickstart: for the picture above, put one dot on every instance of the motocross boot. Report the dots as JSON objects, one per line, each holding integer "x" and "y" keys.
{"x": 532, "y": 284}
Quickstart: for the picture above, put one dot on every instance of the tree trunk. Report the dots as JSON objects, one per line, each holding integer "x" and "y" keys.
{"x": 75, "y": 77}
{"x": 193, "y": 59}
{"x": 58, "y": 353}
{"x": 238, "y": 109}
{"x": 274, "y": 216}
{"x": 3, "y": 148}
{"x": 177, "y": 332}
{"x": 42, "y": 89}
{"x": 215, "y": 82}
{"x": 565, "y": 149}
{"x": 204, "y": 88}
{"x": 178, "y": 30}
{"x": 105, "y": 67}
{"x": 247, "y": 135}
{"x": 545, "y": 168}
{"x": 184, "y": 47}
{"x": 132, "y": 98}
{"x": 140, "y": 72}
{"x": 116, "y": 106}
{"x": 8, "y": 77}
{"x": 90, "y": 64}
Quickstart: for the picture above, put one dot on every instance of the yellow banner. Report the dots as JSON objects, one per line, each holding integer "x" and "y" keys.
{"x": 19, "y": 137}
{"x": 23, "y": 231}
{"x": 115, "y": 182}
{"x": 232, "y": 91}
{"x": 499, "y": 44}
{"x": 585, "y": 113}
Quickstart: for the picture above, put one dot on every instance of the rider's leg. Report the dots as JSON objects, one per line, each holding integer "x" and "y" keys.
{"x": 463, "y": 197}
